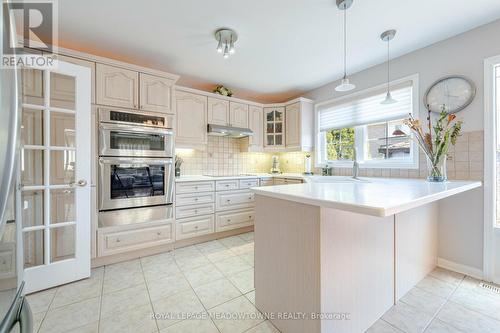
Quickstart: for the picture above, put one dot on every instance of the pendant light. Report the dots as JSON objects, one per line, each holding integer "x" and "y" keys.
{"x": 345, "y": 85}
{"x": 387, "y": 36}
{"x": 225, "y": 41}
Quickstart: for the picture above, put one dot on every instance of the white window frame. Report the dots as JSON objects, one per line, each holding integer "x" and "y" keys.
{"x": 359, "y": 132}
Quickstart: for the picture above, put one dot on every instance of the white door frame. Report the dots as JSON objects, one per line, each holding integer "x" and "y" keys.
{"x": 491, "y": 248}
{"x": 50, "y": 274}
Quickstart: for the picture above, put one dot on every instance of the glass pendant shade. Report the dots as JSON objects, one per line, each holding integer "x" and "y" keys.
{"x": 219, "y": 46}
{"x": 388, "y": 99}
{"x": 345, "y": 85}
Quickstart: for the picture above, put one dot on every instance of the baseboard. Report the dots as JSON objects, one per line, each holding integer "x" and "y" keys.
{"x": 459, "y": 268}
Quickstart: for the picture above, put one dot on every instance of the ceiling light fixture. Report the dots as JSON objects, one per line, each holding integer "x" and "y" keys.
{"x": 345, "y": 85}
{"x": 387, "y": 36}
{"x": 225, "y": 41}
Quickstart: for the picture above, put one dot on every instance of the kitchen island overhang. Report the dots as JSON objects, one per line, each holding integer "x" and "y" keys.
{"x": 341, "y": 254}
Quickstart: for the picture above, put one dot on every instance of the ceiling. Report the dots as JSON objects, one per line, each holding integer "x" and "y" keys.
{"x": 285, "y": 47}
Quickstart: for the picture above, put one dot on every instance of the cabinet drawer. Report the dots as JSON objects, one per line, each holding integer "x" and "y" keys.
{"x": 266, "y": 182}
{"x": 293, "y": 181}
{"x": 194, "y": 198}
{"x": 195, "y": 226}
{"x": 234, "y": 200}
{"x": 194, "y": 210}
{"x": 234, "y": 219}
{"x": 114, "y": 242}
{"x": 247, "y": 183}
{"x": 226, "y": 185}
{"x": 194, "y": 187}
{"x": 279, "y": 181}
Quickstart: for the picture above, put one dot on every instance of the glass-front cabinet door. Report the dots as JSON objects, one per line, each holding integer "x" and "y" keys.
{"x": 274, "y": 125}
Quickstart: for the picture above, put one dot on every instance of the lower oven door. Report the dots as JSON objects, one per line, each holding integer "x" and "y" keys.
{"x": 134, "y": 182}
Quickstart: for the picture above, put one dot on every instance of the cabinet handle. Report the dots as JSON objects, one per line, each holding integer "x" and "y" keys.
{"x": 196, "y": 187}
{"x": 250, "y": 198}
{"x": 196, "y": 211}
{"x": 158, "y": 233}
{"x": 227, "y": 185}
{"x": 118, "y": 240}
{"x": 228, "y": 220}
{"x": 249, "y": 216}
{"x": 196, "y": 227}
{"x": 228, "y": 200}
{"x": 195, "y": 199}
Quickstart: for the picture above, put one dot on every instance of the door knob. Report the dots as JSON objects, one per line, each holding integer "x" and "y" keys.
{"x": 82, "y": 183}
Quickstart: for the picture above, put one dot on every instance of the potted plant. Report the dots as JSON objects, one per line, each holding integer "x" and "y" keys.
{"x": 436, "y": 142}
{"x": 221, "y": 90}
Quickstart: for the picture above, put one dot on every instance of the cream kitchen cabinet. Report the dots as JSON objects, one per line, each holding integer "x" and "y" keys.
{"x": 232, "y": 220}
{"x": 238, "y": 115}
{"x": 299, "y": 126}
{"x": 218, "y": 112}
{"x": 255, "y": 123}
{"x": 191, "y": 120}
{"x": 117, "y": 86}
{"x": 274, "y": 128}
{"x": 155, "y": 93}
{"x": 234, "y": 200}
{"x": 195, "y": 226}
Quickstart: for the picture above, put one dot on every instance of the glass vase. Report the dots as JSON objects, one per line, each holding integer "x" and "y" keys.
{"x": 436, "y": 170}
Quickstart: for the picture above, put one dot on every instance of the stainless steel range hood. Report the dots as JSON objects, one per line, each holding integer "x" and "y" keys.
{"x": 232, "y": 132}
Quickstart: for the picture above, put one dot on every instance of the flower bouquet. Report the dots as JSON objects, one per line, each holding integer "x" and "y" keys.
{"x": 436, "y": 142}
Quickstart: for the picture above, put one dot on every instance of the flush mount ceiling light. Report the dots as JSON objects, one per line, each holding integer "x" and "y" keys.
{"x": 345, "y": 85}
{"x": 387, "y": 36}
{"x": 225, "y": 41}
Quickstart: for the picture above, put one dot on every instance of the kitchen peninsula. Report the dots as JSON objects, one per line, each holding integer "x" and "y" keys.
{"x": 342, "y": 249}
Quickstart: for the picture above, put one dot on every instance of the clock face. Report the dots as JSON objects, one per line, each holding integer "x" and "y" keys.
{"x": 455, "y": 93}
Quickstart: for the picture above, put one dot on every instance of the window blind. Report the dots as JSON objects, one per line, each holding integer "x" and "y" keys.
{"x": 366, "y": 109}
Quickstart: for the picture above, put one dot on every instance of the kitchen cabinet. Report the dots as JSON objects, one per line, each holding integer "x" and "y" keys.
{"x": 292, "y": 125}
{"x": 232, "y": 220}
{"x": 255, "y": 123}
{"x": 193, "y": 227}
{"x": 195, "y": 187}
{"x": 226, "y": 185}
{"x": 299, "y": 134}
{"x": 155, "y": 93}
{"x": 194, "y": 210}
{"x": 274, "y": 127}
{"x": 238, "y": 114}
{"x": 231, "y": 200}
{"x": 191, "y": 120}
{"x": 117, "y": 86}
{"x": 218, "y": 111}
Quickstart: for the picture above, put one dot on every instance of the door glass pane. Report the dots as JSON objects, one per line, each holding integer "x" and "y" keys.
{"x": 136, "y": 141}
{"x": 270, "y": 116}
{"x": 129, "y": 181}
{"x": 32, "y": 127}
{"x": 32, "y": 86}
{"x": 62, "y": 167}
{"x": 270, "y": 128}
{"x": 62, "y": 91}
{"x": 62, "y": 128}
{"x": 32, "y": 167}
{"x": 32, "y": 206}
{"x": 62, "y": 243}
{"x": 62, "y": 206}
{"x": 33, "y": 248}
{"x": 278, "y": 128}
{"x": 278, "y": 140}
{"x": 270, "y": 140}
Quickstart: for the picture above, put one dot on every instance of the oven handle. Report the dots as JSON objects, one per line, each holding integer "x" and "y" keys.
{"x": 135, "y": 128}
{"x": 134, "y": 161}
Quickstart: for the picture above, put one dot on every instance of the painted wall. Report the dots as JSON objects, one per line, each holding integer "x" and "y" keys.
{"x": 461, "y": 221}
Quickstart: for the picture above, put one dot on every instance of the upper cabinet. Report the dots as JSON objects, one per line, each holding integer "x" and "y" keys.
{"x": 292, "y": 125}
{"x": 255, "y": 123}
{"x": 299, "y": 127}
{"x": 238, "y": 115}
{"x": 191, "y": 122}
{"x": 117, "y": 86}
{"x": 218, "y": 111}
{"x": 274, "y": 128}
{"x": 155, "y": 93}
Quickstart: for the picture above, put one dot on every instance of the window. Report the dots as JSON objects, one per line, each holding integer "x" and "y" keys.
{"x": 359, "y": 124}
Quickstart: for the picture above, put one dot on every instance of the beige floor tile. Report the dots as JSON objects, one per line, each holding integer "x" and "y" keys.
{"x": 161, "y": 258}
{"x": 123, "y": 300}
{"x": 132, "y": 321}
{"x": 40, "y": 301}
{"x": 244, "y": 281}
{"x": 423, "y": 300}
{"x": 232, "y": 265}
{"x": 242, "y": 249}
{"x": 158, "y": 270}
{"x": 381, "y": 326}
{"x": 437, "y": 326}
{"x": 202, "y": 325}
{"x": 122, "y": 275}
{"x": 480, "y": 300}
{"x": 232, "y": 241}
{"x": 251, "y": 296}
{"x": 78, "y": 291}
{"x": 248, "y": 236}
{"x": 236, "y": 316}
{"x": 176, "y": 308}
{"x": 249, "y": 258}
{"x": 211, "y": 246}
{"x": 447, "y": 276}
{"x": 436, "y": 286}
{"x": 89, "y": 328}
{"x": 407, "y": 318}
{"x": 167, "y": 286}
{"x": 203, "y": 275}
{"x": 187, "y": 251}
{"x": 37, "y": 320}
{"x": 219, "y": 254}
{"x": 264, "y": 327}
{"x": 216, "y": 292}
{"x": 187, "y": 263}
{"x": 71, "y": 316}
{"x": 467, "y": 320}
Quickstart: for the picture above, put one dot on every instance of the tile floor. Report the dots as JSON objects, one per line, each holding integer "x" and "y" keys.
{"x": 214, "y": 280}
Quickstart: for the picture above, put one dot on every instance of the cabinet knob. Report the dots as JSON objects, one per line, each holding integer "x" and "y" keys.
{"x": 228, "y": 200}
{"x": 228, "y": 220}
{"x": 158, "y": 233}
{"x": 249, "y": 216}
{"x": 196, "y": 227}
{"x": 196, "y": 187}
{"x": 195, "y": 199}
{"x": 196, "y": 211}
{"x": 118, "y": 240}
{"x": 250, "y": 198}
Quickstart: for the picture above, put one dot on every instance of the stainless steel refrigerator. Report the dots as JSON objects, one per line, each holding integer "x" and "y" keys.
{"x": 15, "y": 314}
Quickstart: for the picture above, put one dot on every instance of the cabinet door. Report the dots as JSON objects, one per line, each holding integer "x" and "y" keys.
{"x": 117, "y": 86}
{"x": 274, "y": 127}
{"x": 238, "y": 116}
{"x": 293, "y": 125}
{"x": 218, "y": 111}
{"x": 155, "y": 93}
{"x": 256, "y": 122}
{"x": 191, "y": 118}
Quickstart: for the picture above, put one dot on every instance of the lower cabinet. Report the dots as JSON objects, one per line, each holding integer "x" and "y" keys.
{"x": 234, "y": 200}
{"x": 234, "y": 219}
{"x": 194, "y": 226}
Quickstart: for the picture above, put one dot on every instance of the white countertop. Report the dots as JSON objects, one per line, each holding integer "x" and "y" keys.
{"x": 197, "y": 178}
{"x": 372, "y": 196}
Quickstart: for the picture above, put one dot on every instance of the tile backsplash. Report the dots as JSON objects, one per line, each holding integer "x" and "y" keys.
{"x": 223, "y": 157}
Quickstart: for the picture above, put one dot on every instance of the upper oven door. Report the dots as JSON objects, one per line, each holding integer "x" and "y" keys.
{"x": 134, "y": 140}
{"x": 134, "y": 182}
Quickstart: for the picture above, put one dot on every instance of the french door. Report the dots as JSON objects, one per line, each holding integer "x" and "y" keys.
{"x": 54, "y": 196}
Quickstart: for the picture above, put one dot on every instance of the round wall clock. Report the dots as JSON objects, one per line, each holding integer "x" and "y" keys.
{"x": 456, "y": 92}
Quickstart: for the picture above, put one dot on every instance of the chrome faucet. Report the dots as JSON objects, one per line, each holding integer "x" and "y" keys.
{"x": 355, "y": 165}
